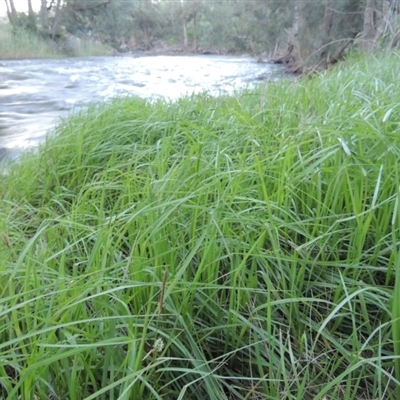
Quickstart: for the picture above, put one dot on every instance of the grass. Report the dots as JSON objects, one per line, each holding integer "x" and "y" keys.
{"x": 18, "y": 43}
{"x": 240, "y": 247}
{"x": 21, "y": 44}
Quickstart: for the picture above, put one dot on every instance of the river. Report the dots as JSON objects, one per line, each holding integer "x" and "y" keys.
{"x": 36, "y": 94}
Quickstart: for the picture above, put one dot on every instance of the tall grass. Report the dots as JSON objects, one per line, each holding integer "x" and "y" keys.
{"x": 19, "y": 43}
{"x": 240, "y": 247}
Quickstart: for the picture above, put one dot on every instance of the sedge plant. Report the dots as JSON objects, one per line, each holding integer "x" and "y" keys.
{"x": 232, "y": 247}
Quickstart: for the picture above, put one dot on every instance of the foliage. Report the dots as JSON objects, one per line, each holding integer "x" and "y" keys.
{"x": 347, "y": 23}
{"x": 239, "y": 247}
{"x": 314, "y": 31}
{"x": 18, "y": 43}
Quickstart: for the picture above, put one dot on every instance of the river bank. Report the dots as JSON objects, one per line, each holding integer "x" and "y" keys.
{"x": 241, "y": 246}
{"x": 19, "y": 44}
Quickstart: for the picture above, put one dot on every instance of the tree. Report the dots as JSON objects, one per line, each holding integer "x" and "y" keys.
{"x": 145, "y": 17}
{"x": 299, "y": 18}
{"x": 314, "y": 32}
{"x": 57, "y": 20}
{"x": 11, "y": 11}
{"x": 188, "y": 12}
{"x": 94, "y": 18}
{"x": 44, "y": 17}
{"x": 390, "y": 30}
{"x": 31, "y": 21}
{"x": 30, "y": 8}
{"x": 369, "y": 32}
{"x": 327, "y": 24}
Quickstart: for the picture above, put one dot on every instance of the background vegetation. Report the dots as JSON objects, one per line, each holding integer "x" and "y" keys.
{"x": 18, "y": 43}
{"x": 237, "y": 247}
{"x": 299, "y": 32}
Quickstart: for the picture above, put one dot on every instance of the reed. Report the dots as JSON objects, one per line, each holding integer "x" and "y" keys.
{"x": 20, "y": 44}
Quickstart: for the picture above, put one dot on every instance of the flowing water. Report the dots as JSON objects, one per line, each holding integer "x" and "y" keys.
{"x": 36, "y": 94}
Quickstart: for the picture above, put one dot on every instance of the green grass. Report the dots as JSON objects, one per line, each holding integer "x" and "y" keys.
{"x": 21, "y": 44}
{"x": 255, "y": 237}
{"x": 18, "y": 43}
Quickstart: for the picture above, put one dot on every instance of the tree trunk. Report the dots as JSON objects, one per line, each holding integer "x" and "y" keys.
{"x": 195, "y": 32}
{"x": 11, "y": 11}
{"x": 30, "y": 9}
{"x": 44, "y": 18}
{"x": 324, "y": 44}
{"x": 185, "y": 34}
{"x": 327, "y": 23}
{"x": 369, "y": 31}
{"x": 8, "y": 11}
{"x": 296, "y": 31}
{"x": 298, "y": 23}
{"x": 393, "y": 11}
{"x": 146, "y": 36}
{"x": 31, "y": 22}
{"x": 57, "y": 20}
{"x": 12, "y": 6}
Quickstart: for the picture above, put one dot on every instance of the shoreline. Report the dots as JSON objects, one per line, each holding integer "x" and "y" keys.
{"x": 148, "y": 53}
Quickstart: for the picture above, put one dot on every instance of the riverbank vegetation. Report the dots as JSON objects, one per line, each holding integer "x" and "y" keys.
{"x": 301, "y": 33}
{"x": 241, "y": 247}
{"x": 22, "y": 44}
{"x": 19, "y": 43}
